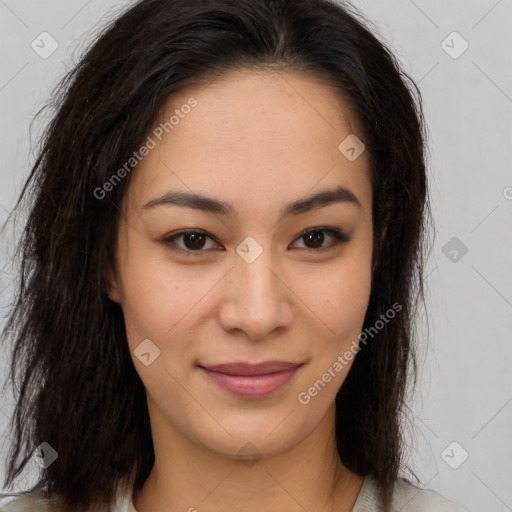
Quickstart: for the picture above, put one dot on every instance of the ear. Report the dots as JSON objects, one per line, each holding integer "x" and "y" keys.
{"x": 112, "y": 287}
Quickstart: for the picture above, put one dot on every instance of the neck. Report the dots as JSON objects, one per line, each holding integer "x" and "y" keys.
{"x": 309, "y": 476}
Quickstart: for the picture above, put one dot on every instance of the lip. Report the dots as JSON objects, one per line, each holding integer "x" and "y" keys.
{"x": 251, "y": 381}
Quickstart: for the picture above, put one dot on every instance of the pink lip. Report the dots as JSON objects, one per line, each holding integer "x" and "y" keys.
{"x": 252, "y": 381}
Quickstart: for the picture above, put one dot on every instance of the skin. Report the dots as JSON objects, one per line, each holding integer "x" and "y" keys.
{"x": 257, "y": 139}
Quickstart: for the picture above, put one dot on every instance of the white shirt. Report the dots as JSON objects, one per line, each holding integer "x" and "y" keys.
{"x": 406, "y": 498}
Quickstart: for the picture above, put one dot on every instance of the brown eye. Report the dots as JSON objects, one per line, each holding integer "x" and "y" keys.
{"x": 195, "y": 242}
{"x": 192, "y": 241}
{"x": 314, "y": 238}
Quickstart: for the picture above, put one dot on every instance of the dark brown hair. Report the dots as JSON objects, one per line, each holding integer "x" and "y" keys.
{"x": 77, "y": 386}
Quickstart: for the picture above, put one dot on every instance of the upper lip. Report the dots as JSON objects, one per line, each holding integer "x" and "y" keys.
{"x": 242, "y": 368}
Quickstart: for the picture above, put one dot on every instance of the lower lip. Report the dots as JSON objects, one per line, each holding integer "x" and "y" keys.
{"x": 255, "y": 386}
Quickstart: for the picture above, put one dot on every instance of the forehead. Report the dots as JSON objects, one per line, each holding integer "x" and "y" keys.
{"x": 244, "y": 103}
{"x": 264, "y": 134}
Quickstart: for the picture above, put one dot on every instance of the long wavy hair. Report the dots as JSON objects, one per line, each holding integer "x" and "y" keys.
{"x": 77, "y": 388}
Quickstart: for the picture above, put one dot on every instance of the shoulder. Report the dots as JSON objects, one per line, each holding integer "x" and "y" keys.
{"x": 37, "y": 501}
{"x": 28, "y": 502}
{"x": 407, "y": 497}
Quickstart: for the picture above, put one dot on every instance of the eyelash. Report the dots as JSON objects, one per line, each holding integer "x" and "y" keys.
{"x": 338, "y": 236}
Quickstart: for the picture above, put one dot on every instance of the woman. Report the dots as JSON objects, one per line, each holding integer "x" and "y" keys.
{"x": 221, "y": 268}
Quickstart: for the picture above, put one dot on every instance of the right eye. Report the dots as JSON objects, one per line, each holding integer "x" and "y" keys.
{"x": 193, "y": 241}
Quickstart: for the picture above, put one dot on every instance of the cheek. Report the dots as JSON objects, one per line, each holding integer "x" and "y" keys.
{"x": 339, "y": 298}
{"x": 153, "y": 297}
{"x": 340, "y": 301}
{"x": 161, "y": 301}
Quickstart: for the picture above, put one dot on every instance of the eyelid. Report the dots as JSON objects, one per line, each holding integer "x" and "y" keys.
{"x": 337, "y": 234}
{"x": 168, "y": 240}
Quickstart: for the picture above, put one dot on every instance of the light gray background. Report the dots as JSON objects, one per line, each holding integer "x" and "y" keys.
{"x": 465, "y": 394}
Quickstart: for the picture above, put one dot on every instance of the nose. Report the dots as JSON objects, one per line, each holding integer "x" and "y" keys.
{"x": 256, "y": 298}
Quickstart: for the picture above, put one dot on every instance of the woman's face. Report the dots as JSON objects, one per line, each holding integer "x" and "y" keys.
{"x": 250, "y": 287}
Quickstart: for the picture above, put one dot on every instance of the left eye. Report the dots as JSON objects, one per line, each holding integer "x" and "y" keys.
{"x": 194, "y": 241}
{"x": 315, "y": 237}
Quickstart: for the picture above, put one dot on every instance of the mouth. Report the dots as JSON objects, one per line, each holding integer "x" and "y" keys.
{"x": 251, "y": 381}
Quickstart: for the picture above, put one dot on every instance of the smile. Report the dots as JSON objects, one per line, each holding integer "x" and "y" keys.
{"x": 251, "y": 382}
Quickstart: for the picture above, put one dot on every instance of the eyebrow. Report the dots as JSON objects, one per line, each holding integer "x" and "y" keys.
{"x": 209, "y": 204}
